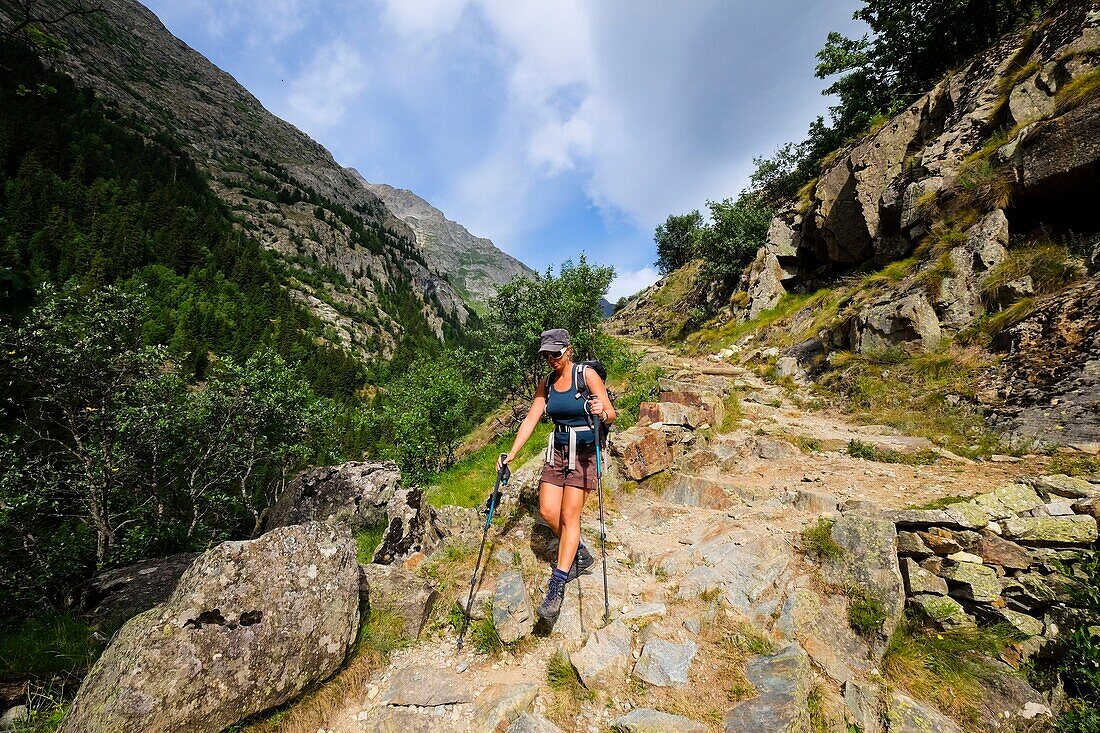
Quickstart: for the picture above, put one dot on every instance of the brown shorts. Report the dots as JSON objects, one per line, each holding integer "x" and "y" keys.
{"x": 582, "y": 477}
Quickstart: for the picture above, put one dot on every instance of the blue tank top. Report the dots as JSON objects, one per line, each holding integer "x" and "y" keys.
{"x": 565, "y": 408}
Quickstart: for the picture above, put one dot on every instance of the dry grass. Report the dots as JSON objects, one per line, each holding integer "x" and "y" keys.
{"x": 983, "y": 186}
{"x": 1079, "y": 92}
{"x": 931, "y": 278}
{"x": 806, "y": 195}
{"x": 731, "y": 419}
{"x": 1050, "y": 267}
{"x": 980, "y": 333}
{"x": 947, "y": 669}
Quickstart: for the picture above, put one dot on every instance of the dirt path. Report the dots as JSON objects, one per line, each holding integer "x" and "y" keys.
{"x": 706, "y": 556}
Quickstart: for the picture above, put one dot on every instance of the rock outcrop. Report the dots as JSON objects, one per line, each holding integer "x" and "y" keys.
{"x": 117, "y": 595}
{"x": 249, "y": 626}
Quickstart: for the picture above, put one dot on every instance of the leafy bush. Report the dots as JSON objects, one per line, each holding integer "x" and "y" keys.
{"x": 641, "y": 387}
{"x": 677, "y": 240}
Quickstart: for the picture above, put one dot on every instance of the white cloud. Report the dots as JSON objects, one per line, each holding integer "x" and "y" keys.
{"x": 319, "y": 95}
{"x": 630, "y": 282}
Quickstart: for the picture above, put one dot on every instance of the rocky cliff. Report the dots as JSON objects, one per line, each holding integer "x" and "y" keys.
{"x": 474, "y": 265}
{"x": 962, "y": 220}
{"x": 347, "y": 257}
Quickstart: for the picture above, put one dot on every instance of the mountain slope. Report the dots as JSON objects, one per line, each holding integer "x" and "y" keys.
{"x": 348, "y": 259}
{"x": 475, "y": 266}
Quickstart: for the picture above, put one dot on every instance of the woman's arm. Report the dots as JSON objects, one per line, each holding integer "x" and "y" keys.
{"x": 600, "y": 404}
{"x": 534, "y": 414}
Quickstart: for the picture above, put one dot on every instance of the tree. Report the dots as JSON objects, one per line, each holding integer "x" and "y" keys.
{"x": 739, "y": 228}
{"x": 676, "y": 241}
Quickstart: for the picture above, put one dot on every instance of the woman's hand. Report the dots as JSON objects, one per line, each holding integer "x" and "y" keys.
{"x": 501, "y": 460}
{"x": 596, "y": 406}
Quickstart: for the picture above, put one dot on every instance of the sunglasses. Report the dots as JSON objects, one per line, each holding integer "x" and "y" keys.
{"x": 554, "y": 355}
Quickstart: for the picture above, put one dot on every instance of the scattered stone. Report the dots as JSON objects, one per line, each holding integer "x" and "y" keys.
{"x": 997, "y": 551}
{"x": 1054, "y": 509}
{"x": 642, "y": 452}
{"x": 911, "y": 543}
{"x": 426, "y": 687}
{"x": 945, "y": 612}
{"x": 665, "y": 663}
{"x": 249, "y": 626}
{"x": 1069, "y": 487}
{"x": 513, "y": 615}
{"x": 906, "y": 715}
{"x": 965, "y": 557}
{"x": 671, "y": 413}
{"x": 605, "y": 654}
{"x": 14, "y": 717}
{"x": 919, "y": 580}
{"x": 783, "y": 681}
{"x": 972, "y": 581}
{"x": 773, "y": 449}
{"x": 1090, "y": 507}
{"x": 499, "y": 705}
{"x": 1079, "y": 529}
{"x": 815, "y": 502}
{"x": 693, "y": 624}
{"x": 645, "y": 720}
{"x": 397, "y": 591}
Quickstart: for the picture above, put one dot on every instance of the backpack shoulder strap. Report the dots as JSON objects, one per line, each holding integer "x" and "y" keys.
{"x": 579, "y": 381}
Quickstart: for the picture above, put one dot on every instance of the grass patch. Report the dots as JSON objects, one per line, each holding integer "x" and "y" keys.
{"x": 942, "y": 502}
{"x": 981, "y": 332}
{"x": 48, "y": 644}
{"x": 931, "y": 278}
{"x": 642, "y": 386}
{"x": 892, "y": 273}
{"x": 983, "y": 186}
{"x": 468, "y": 482}
{"x": 1073, "y": 465}
{"x": 806, "y": 195}
{"x": 1078, "y": 92}
{"x": 484, "y": 636}
{"x": 909, "y": 391}
{"x": 1050, "y": 267}
{"x": 367, "y": 541}
{"x": 818, "y": 541}
{"x": 868, "y": 452}
{"x": 708, "y": 340}
{"x": 948, "y": 669}
{"x": 731, "y": 418}
{"x": 866, "y": 612}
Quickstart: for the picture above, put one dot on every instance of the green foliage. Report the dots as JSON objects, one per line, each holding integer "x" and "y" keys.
{"x": 677, "y": 240}
{"x": 868, "y": 452}
{"x": 731, "y": 416}
{"x": 641, "y": 387}
{"x": 818, "y": 541}
{"x": 1078, "y": 92}
{"x": 560, "y": 674}
{"x": 1049, "y": 266}
{"x": 1073, "y": 465}
{"x": 526, "y": 307}
{"x": 739, "y": 228}
{"x": 45, "y": 644}
{"x": 468, "y": 482}
{"x": 866, "y": 612}
{"x": 367, "y": 541}
{"x": 484, "y": 636}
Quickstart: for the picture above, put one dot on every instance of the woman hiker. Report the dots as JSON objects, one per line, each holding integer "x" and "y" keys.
{"x": 570, "y": 470}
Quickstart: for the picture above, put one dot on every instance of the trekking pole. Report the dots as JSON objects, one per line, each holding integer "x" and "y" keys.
{"x": 603, "y": 526}
{"x": 503, "y": 474}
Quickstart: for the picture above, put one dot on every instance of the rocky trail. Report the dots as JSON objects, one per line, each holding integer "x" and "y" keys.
{"x": 720, "y": 617}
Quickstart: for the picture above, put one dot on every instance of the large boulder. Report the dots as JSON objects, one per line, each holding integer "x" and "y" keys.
{"x": 393, "y": 590}
{"x": 513, "y": 616}
{"x": 115, "y": 596}
{"x": 249, "y": 626}
{"x": 361, "y": 495}
{"x": 910, "y": 319}
{"x": 642, "y": 451}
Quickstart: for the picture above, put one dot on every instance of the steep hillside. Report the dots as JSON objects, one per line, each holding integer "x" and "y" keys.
{"x": 958, "y": 224}
{"x": 347, "y": 258}
{"x": 474, "y": 265}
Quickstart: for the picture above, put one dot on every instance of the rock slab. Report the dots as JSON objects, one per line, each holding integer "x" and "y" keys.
{"x": 783, "y": 681}
{"x": 665, "y": 663}
{"x": 513, "y": 615}
{"x": 646, "y": 720}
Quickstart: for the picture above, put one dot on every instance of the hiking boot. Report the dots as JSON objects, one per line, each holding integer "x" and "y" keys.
{"x": 582, "y": 561}
{"x": 551, "y": 605}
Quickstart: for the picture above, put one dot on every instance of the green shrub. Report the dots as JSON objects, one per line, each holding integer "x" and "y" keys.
{"x": 641, "y": 387}
{"x": 866, "y": 451}
{"x": 47, "y": 644}
{"x": 866, "y": 613}
{"x": 483, "y": 634}
{"x": 818, "y": 541}
{"x": 560, "y": 674}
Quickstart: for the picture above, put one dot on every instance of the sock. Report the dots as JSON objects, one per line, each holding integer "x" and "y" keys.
{"x": 560, "y": 574}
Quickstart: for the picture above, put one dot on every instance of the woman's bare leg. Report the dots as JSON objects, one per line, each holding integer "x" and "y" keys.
{"x": 550, "y": 506}
{"x": 571, "y": 503}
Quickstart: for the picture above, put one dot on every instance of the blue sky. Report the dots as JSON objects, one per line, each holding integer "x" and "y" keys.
{"x": 553, "y": 128}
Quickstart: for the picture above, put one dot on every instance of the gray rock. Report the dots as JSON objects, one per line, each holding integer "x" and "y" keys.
{"x": 783, "y": 681}
{"x": 426, "y": 687}
{"x": 500, "y": 704}
{"x": 14, "y": 717}
{"x": 1026, "y": 625}
{"x": 390, "y": 589}
{"x": 605, "y": 653}
{"x": 864, "y": 703}
{"x": 1008, "y": 501}
{"x": 870, "y": 562}
{"x": 787, "y": 366}
{"x": 117, "y": 595}
{"x": 645, "y": 720}
{"x": 532, "y": 723}
{"x": 249, "y": 626}
{"x": 764, "y": 283}
{"x": 665, "y": 663}
{"x": 943, "y": 611}
{"x": 911, "y": 543}
{"x": 1079, "y": 529}
{"x": 971, "y": 581}
{"x": 906, "y": 320}
{"x": 643, "y": 612}
{"x": 995, "y": 550}
{"x": 482, "y": 602}
{"x": 1069, "y": 487}
{"x": 962, "y": 515}
{"x": 906, "y": 715}
{"x": 773, "y": 449}
{"x": 815, "y": 502}
{"x": 919, "y": 580}
{"x": 512, "y": 612}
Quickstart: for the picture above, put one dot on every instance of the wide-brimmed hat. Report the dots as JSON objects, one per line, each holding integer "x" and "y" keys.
{"x": 555, "y": 339}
